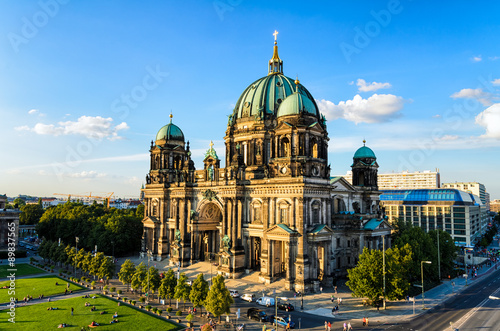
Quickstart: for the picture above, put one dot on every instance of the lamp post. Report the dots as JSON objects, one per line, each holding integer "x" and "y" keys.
{"x": 439, "y": 256}
{"x": 383, "y": 261}
{"x": 74, "y": 265}
{"x": 422, "y": 272}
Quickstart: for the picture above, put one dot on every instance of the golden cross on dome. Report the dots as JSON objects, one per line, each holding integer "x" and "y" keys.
{"x": 211, "y": 144}
{"x": 275, "y": 34}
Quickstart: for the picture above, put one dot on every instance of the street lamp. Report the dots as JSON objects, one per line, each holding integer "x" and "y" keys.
{"x": 422, "y": 272}
{"x": 439, "y": 256}
{"x": 74, "y": 265}
{"x": 383, "y": 259}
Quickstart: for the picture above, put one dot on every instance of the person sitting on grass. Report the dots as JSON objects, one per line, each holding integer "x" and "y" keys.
{"x": 62, "y": 325}
{"x": 93, "y": 308}
{"x": 93, "y": 324}
{"x": 57, "y": 284}
{"x": 102, "y": 312}
{"x": 87, "y": 304}
{"x": 115, "y": 315}
{"x": 94, "y": 296}
{"x": 113, "y": 321}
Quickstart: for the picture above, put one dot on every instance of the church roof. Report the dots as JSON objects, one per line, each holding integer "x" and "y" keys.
{"x": 372, "y": 224}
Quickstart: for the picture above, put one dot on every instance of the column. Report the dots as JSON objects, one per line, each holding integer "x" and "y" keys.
{"x": 265, "y": 213}
{"x": 239, "y": 221}
{"x": 234, "y": 226}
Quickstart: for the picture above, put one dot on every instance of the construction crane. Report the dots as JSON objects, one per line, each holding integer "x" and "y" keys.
{"x": 107, "y": 196}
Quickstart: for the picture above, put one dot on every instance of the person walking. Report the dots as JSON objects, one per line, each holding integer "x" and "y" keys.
{"x": 329, "y": 326}
{"x": 367, "y": 321}
{"x": 345, "y": 326}
{"x": 71, "y": 311}
{"x": 349, "y": 327}
{"x": 364, "y": 321}
{"x": 326, "y": 326}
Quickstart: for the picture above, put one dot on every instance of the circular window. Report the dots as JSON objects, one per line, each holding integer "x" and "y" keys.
{"x": 279, "y": 101}
{"x": 278, "y": 83}
{"x": 283, "y": 170}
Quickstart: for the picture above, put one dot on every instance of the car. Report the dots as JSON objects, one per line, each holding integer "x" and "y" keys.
{"x": 257, "y": 314}
{"x": 285, "y": 306}
{"x": 234, "y": 293}
{"x": 265, "y": 301}
{"x": 247, "y": 297}
{"x": 281, "y": 321}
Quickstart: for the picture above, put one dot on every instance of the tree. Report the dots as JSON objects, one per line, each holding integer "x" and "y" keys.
{"x": 398, "y": 262}
{"x": 199, "y": 291}
{"x": 182, "y": 289}
{"x": 44, "y": 249}
{"x": 87, "y": 262}
{"x": 154, "y": 281}
{"x": 126, "y": 273}
{"x": 218, "y": 299}
{"x": 447, "y": 251}
{"x": 96, "y": 263}
{"x": 366, "y": 279}
{"x": 71, "y": 255}
{"x": 140, "y": 211}
{"x": 167, "y": 287}
{"x": 53, "y": 251}
{"x": 31, "y": 214}
{"x": 106, "y": 269}
{"x": 80, "y": 259}
{"x": 18, "y": 203}
{"x": 139, "y": 276}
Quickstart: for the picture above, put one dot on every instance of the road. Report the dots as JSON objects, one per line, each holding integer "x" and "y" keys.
{"x": 471, "y": 309}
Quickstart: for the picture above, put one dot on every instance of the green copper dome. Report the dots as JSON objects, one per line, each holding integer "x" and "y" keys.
{"x": 264, "y": 96}
{"x": 297, "y": 103}
{"x": 170, "y": 133}
{"x": 364, "y": 152}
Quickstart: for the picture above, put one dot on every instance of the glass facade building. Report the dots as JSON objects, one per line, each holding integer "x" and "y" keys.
{"x": 459, "y": 213}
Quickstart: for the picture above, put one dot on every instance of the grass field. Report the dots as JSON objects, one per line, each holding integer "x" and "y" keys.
{"x": 22, "y": 270}
{"x": 45, "y": 285}
{"x": 37, "y": 317}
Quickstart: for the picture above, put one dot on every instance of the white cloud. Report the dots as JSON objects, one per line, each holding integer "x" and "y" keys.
{"x": 376, "y": 109}
{"x": 494, "y": 58}
{"x": 448, "y": 137}
{"x": 22, "y": 128}
{"x": 496, "y": 81}
{"x": 485, "y": 98}
{"x": 490, "y": 120}
{"x": 436, "y": 116}
{"x": 363, "y": 86}
{"x": 86, "y": 174}
{"x": 88, "y": 126}
{"x": 478, "y": 58}
{"x": 33, "y": 111}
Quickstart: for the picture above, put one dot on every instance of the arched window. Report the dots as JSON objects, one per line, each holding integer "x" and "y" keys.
{"x": 285, "y": 147}
{"x": 314, "y": 148}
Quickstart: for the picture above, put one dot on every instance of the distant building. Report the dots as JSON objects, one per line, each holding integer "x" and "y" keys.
{"x": 471, "y": 187}
{"x": 405, "y": 180}
{"x": 459, "y": 213}
{"x": 495, "y": 206}
{"x": 124, "y": 204}
{"x": 48, "y": 202}
{"x": 9, "y": 218}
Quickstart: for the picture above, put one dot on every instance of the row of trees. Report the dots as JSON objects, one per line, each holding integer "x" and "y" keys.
{"x": 216, "y": 299}
{"x": 410, "y": 246}
{"x": 93, "y": 225}
{"x": 97, "y": 265}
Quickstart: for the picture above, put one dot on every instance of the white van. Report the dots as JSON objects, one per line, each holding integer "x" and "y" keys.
{"x": 265, "y": 301}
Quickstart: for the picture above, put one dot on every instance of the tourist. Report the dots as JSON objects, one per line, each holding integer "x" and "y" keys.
{"x": 71, "y": 311}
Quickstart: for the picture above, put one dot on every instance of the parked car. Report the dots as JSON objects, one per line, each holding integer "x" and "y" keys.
{"x": 281, "y": 321}
{"x": 248, "y": 297}
{"x": 285, "y": 306}
{"x": 234, "y": 293}
{"x": 265, "y": 301}
{"x": 257, "y": 314}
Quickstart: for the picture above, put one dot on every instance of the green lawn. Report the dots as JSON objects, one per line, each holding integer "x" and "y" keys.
{"x": 22, "y": 270}
{"x": 45, "y": 285}
{"x": 37, "y": 317}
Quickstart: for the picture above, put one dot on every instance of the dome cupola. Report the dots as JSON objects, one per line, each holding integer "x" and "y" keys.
{"x": 170, "y": 134}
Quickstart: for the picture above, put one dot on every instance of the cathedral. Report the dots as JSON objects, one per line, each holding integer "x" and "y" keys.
{"x": 273, "y": 208}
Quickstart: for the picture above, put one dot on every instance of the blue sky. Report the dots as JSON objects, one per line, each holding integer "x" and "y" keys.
{"x": 85, "y": 86}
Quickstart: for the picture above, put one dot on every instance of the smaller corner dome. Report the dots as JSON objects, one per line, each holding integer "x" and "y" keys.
{"x": 297, "y": 103}
{"x": 364, "y": 152}
{"x": 170, "y": 132}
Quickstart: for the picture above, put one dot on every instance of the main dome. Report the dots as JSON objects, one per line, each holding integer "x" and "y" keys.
{"x": 264, "y": 96}
{"x": 364, "y": 152}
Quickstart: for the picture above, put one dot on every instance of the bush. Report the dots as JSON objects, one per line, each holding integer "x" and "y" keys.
{"x": 134, "y": 302}
{"x": 148, "y": 307}
{"x": 92, "y": 284}
{"x": 119, "y": 292}
{"x": 142, "y": 299}
{"x": 113, "y": 289}
{"x": 206, "y": 327}
{"x": 178, "y": 313}
{"x": 106, "y": 287}
{"x": 124, "y": 299}
{"x": 189, "y": 317}
{"x": 159, "y": 311}
{"x": 155, "y": 310}
{"x": 169, "y": 309}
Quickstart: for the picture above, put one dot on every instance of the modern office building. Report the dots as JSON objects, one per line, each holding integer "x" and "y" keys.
{"x": 471, "y": 187}
{"x": 459, "y": 213}
{"x": 495, "y": 206}
{"x": 406, "y": 180}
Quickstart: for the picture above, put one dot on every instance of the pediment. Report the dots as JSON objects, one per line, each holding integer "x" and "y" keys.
{"x": 281, "y": 230}
{"x": 320, "y": 230}
{"x": 151, "y": 221}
